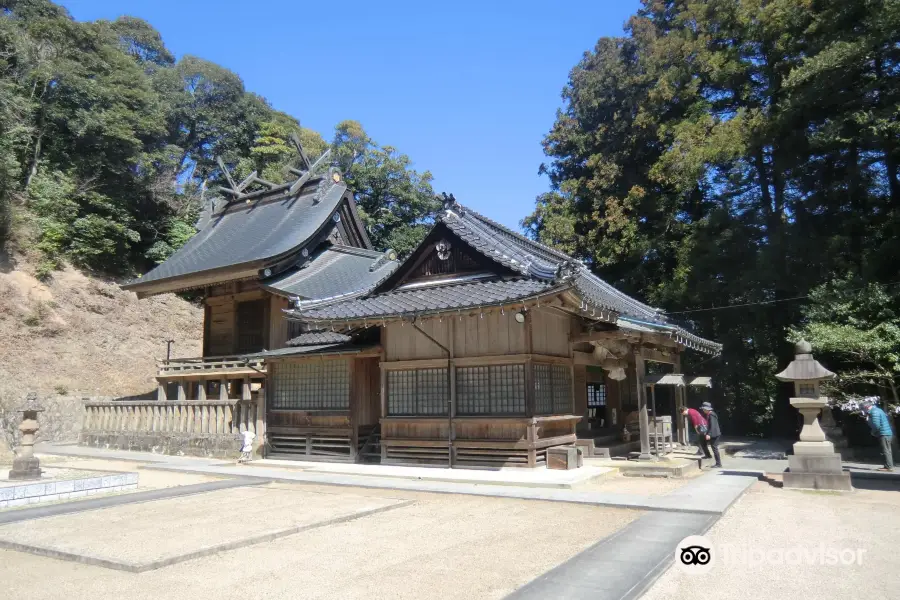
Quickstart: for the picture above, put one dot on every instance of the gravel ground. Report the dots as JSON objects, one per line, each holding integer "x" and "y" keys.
{"x": 769, "y": 518}
{"x": 645, "y": 486}
{"x": 111, "y": 533}
{"x": 441, "y": 546}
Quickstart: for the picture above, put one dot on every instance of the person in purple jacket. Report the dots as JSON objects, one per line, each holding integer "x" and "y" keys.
{"x": 701, "y": 428}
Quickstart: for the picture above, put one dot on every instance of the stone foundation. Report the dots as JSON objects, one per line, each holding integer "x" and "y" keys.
{"x": 53, "y": 491}
{"x": 818, "y": 481}
{"x": 224, "y": 446}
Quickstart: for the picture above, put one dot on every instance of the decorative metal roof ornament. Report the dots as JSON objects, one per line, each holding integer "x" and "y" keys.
{"x": 443, "y": 249}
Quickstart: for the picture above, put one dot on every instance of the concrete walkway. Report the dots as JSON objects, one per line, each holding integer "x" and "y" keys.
{"x": 622, "y": 566}
{"x": 711, "y": 493}
{"x": 542, "y": 478}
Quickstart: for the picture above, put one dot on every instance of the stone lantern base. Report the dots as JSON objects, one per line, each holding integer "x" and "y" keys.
{"x": 25, "y": 468}
{"x": 814, "y": 465}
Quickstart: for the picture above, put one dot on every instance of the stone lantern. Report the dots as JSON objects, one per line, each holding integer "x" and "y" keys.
{"x": 814, "y": 464}
{"x": 26, "y": 465}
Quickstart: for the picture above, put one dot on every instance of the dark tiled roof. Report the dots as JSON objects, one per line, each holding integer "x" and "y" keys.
{"x": 318, "y": 338}
{"x": 430, "y": 299}
{"x": 537, "y": 260}
{"x": 336, "y": 271}
{"x": 307, "y": 350}
{"x": 542, "y": 268}
{"x": 243, "y": 234}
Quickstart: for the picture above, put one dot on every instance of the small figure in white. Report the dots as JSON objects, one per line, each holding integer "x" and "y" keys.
{"x": 246, "y": 446}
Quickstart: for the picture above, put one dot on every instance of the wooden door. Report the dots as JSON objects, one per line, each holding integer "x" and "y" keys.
{"x": 251, "y": 326}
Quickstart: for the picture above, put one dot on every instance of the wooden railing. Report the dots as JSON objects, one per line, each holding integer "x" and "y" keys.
{"x": 188, "y": 417}
{"x": 209, "y": 365}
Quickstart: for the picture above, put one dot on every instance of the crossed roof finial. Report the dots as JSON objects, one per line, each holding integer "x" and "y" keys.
{"x": 450, "y": 203}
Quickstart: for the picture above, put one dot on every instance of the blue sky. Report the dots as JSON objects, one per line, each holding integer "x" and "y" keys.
{"x": 466, "y": 89}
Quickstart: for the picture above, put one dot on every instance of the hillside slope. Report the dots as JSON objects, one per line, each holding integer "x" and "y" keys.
{"x": 79, "y": 335}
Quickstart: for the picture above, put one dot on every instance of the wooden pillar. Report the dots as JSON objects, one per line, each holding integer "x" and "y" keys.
{"x": 655, "y": 421}
{"x": 384, "y": 402}
{"x": 353, "y": 371}
{"x": 640, "y": 370}
{"x": 680, "y": 395}
{"x": 259, "y": 447}
{"x": 451, "y": 409}
{"x": 201, "y": 390}
{"x": 223, "y": 389}
{"x": 529, "y": 369}
{"x": 161, "y": 390}
{"x": 181, "y": 391}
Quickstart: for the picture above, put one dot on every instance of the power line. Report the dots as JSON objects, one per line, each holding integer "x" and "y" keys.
{"x": 762, "y": 302}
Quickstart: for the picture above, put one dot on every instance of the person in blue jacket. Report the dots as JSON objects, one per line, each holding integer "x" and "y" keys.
{"x": 881, "y": 428}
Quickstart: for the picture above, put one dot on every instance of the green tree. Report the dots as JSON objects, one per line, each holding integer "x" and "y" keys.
{"x": 397, "y": 204}
{"x": 729, "y": 152}
{"x": 857, "y": 329}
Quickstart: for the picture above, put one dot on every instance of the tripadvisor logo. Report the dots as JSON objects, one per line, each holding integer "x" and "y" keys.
{"x": 695, "y": 554}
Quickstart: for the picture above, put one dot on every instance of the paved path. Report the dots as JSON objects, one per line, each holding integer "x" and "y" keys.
{"x": 622, "y": 566}
{"x": 75, "y": 506}
{"x": 712, "y": 493}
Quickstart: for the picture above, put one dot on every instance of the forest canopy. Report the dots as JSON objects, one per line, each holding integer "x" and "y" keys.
{"x": 108, "y": 145}
{"x": 742, "y": 154}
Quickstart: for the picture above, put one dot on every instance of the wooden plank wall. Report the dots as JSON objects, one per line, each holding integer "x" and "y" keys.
{"x": 221, "y": 328}
{"x": 493, "y": 334}
{"x": 222, "y": 318}
{"x": 405, "y": 343}
{"x": 367, "y": 391}
{"x": 550, "y": 332}
{"x": 278, "y": 324}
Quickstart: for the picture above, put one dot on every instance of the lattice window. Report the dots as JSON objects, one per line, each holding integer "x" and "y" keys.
{"x": 311, "y": 385}
{"x": 543, "y": 389}
{"x": 596, "y": 395}
{"x": 497, "y": 389}
{"x": 552, "y": 389}
{"x": 562, "y": 389}
{"x": 418, "y": 392}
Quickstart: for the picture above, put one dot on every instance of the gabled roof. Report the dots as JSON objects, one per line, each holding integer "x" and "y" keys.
{"x": 335, "y": 271}
{"x": 534, "y": 259}
{"x": 540, "y": 270}
{"x": 246, "y": 236}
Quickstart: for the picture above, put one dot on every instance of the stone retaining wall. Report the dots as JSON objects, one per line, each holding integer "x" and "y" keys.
{"x": 32, "y": 492}
{"x": 224, "y": 446}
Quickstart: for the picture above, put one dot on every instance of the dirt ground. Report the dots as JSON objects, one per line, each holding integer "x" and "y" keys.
{"x": 804, "y": 525}
{"x": 437, "y": 546}
{"x": 79, "y": 335}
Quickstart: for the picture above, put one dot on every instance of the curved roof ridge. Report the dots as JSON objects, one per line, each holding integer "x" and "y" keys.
{"x": 515, "y": 257}
{"x": 518, "y": 237}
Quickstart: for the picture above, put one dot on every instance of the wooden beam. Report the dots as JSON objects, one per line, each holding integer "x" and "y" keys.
{"x": 657, "y": 356}
{"x": 600, "y": 336}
